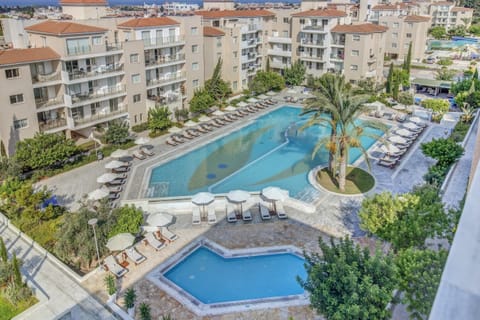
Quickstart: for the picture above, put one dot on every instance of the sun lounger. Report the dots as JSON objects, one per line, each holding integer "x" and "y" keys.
{"x": 401, "y": 117}
{"x": 138, "y": 155}
{"x": 207, "y": 127}
{"x": 154, "y": 242}
{"x": 264, "y": 212}
{"x": 231, "y": 213}
{"x": 135, "y": 256}
{"x": 188, "y": 136}
{"x": 215, "y": 124}
{"x": 114, "y": 189}
{"x": 246, "y": 215}
{"x": 121, "y": 170}
{"x": 196, "y": 215}
{"x": 171, "y": 142}
{"x": 147, "y": 152}
{"x": 201, "y": 129}
{"x": 113, "y": 196}
{"x": 388, "y": 162}
{"x": 110, "y": 264}
{"x": 177, "y": 139}
{"x": 116, "y": 182}
{"x": 167, "y": 234}
{"x": 219, "y": 121}
{"x": 281, "y": 214}
{"x": 211, "y": 216}
{"x": 193, "y": 132}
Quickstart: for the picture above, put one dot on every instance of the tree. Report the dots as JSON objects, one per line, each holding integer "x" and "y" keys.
{"x": 419, "y": 273}
{"x": 145, "y": 313}
{"x": 159, "y": 118}
{"x": 295, "y": 75}
{"x": 201, "y": 101}
{"x": 439, "y": 106}
{"x": 475, "y": 29}
{"x": 9, "y": 168}
{"x": 437, "y": 32}
{"x": 17, "y": 276}
{"x": 267, "y": 66}
{"x": 445, "y": 151}
{"x": 3, "y": 251}
{"x": 459, "y": 31}
{"x": 389, "y": 84}
{"x": 405, "y": 98}
{"x": 117, "y": 132}
{"x": 408, "y": 60}
{"x": 128, "y": 220}
{"x": 129, "y": 298}
{"x": 266, "y": 81}
{"x": 109, "y": 281}
{"x": 216, "y": 86}
{"x": 44, "y": 150}
{"x": 346, "y": 282}
{"x": 445, "y": 74}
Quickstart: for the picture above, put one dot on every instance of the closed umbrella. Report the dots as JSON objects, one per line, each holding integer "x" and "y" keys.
{"x": 97, "y": 194}
{"x": 142, "y": 140}
{"x": 120, "y": 241}
{"x": 107, "y": 177}
{"x": 203, "y": 199}
{"x": 239, "y": 197}
{"x": 159, "y": 219}
{"x": 204, "y": 119}
{"x": 190, "y": 123}
{"x": 174, "y": 130}
{"x": 241, "y": 104}
{"x": 275, "y": 194}
{"x": 230, "y": 108}
{"x": 119, "y": 153}
{"x": 218, "y": 113}
{"x": 115, "y": 164}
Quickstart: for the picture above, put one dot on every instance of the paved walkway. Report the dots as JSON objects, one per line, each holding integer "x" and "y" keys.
{"x": 60, "y": 296}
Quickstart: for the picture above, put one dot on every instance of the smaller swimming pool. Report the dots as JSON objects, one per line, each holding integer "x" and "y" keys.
{"x": 212, "y": 278}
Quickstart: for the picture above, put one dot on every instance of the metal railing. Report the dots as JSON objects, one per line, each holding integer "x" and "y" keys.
{"x": 110, "y": 68}
{"x": 81, "y": 50}
{"x": 98, "y": 94}
{"x": 165, "y": 59}
{"x": 313, "y": 42}
{"x": 163, "y": 41}
{"x": 42, "y": 103}
{"x": 337, "y": 56}
{"x": 168, "y": 78}
{"x": 52, "y": 124}
{"x": 53, "y": 76}
{"x": 121, "y": 109}
{"x": 313, "y": 28}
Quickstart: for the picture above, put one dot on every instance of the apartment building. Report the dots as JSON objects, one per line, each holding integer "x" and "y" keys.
{"x": 84, "y": 9}
{"x": 279, "y": 40}
{"x": 446, "y": 14}
{"x": 386, "y": 10}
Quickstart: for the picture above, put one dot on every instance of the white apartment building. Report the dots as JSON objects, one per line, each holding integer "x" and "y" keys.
{"x": 446, "y": 14}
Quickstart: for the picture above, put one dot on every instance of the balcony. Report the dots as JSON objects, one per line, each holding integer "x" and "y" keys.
{"x": 52, "y": 124}
{"x": 165, "y": 60}
{"x": 279, "y": 40}
{"x": 105, "y": 92}
{"x": 279, "y": 52}
{"x": 43, "y": 78}
{"x": 251, "y": 28}
{"x": 174, "y": 77}
{"x": 338, "y": 43}
{"x": 103, "y": 48}
{"x": 314, "y": 29}
{"x": 167, "y": 98}
{"x": 338, "y": 56}
{"x": 45, "y": 102}
{"x": 372, "y": 59}
{"x": 279, "y": 65}
{"x": 312, "y": 43}
{"x": 96, "y": 71}
{"x": 79, "y": 121}
{"x": 305, "y": 56}
{"x": 371, "y": 74}
{"x": 163, "y": 41}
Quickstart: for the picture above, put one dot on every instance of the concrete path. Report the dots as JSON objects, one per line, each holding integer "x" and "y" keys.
{"x": 60, "y": 297}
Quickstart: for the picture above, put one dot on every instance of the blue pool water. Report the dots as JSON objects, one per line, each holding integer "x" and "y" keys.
{"x": 212, "y": 279}
{"x": 254, "y": 157}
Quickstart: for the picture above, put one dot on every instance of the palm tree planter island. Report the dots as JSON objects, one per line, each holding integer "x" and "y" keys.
{"x": 358, "y": 181}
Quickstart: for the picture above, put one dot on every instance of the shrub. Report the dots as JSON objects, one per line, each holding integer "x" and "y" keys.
{"x": 145, "y": 311}
{"x": 445, "y": 151}
{"x": 140, "y": 127}
{"x": 436, "y": 105}
{"x": 460, "y": 131}
{"x": 445, "y": 62}
{"x": 117, "y": 133}
{"x": 129, "y": 219}
{"x": 159, "y": 118}
{"x": 110, "y": 284}
{"x": 129, "y": 298}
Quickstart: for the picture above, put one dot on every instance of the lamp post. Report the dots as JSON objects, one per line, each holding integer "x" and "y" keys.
{"x": 93, "y": 223}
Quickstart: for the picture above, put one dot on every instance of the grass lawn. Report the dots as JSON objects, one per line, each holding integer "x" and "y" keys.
{"x": 8, "y": 311}
{"x": 358, "y": 181}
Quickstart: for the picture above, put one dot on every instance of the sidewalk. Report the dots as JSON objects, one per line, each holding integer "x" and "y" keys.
{"x": 59, "y": 295}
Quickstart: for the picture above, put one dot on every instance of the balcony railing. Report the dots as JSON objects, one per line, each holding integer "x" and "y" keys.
{"x": 163, "y": 41}
{"x": 53, "y": 76}
{"x": 313, "y": 57}
{"x": 78, "y": 51}
{"x": 52, "y": 124}
{"x": 337, "y": 56}
{"x": 167, "y": 98}
{"x": 167, "y": 78}
{"x": 279, "y": 40}
{"x": 78, "y": 97}
{"x": 314, "y": 28}
{"x": 338, "y": 42}
{"x": 165, "y": 60}
{"x": 307, "y": 42}
{"x": 44, "y": 102}
{"x": 96, "y": 71}
{"x": 121, "y": 109}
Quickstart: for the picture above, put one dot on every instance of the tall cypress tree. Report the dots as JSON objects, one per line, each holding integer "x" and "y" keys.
{"x": 17, "y": 276}
{"x": 389, "y": 84}
{"x": 408, "y": 61}
{"x": 3, "y": 251}
{"x": 475, "y": 74}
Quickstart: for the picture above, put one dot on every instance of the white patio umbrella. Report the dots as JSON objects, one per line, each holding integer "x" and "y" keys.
{"x": 411, "y": 126}
{"x": 239, "y": 197}
{"x": 203, "y": 199}
{"x": 218, "y": 113}
{"x": 120, "y": 241}
{"x": 241, "y": 104}
{"x": 252, "y": 100}
{"x": 107, "y": 177}
{"x": 405, "y": 133}
{"x": 262, "y": 96}
{"x": 271, "y": 93}
{"x": 97, "y": 194}
{"x": 398, "y": 139}
{"x": 204, "y": 119}
{"x": 142, "y": 140}
{"x": 119, "y": 153}
{"x": 230, "y": 108}
{"x": 159, "y": 219}
{"x": 114, "y": 164}
{"x": 274, "y": 193}
{"x": 174, "y": 130}
{"x": 190, "y": 123}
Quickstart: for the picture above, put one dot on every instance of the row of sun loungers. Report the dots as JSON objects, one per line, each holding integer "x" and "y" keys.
{"x": 143, "y": 153}
{"x": 233, "y": 215}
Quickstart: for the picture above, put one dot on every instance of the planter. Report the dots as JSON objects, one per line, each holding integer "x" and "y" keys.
{"x": 112, "y": 298}
{"x": 131, "y": 312}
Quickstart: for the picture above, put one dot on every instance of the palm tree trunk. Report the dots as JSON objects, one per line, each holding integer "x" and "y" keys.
{"x": 331, "y": 155}
{"x": 342, "y": 172}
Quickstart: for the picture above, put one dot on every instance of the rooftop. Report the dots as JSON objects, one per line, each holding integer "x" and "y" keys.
{"x": 84, "y": 2}
{"x": 390, "y": 7}
{"x": 359, "y": 28}
{"x": 212, "y": 32}
{"x": 414, "y": 18}
{"x": 443, "y": 3}
{"x": 330, "y": 13}
{"x": 18, "y": 56}
{"x": 456, "y": 9}
{"x": 148, "y": 22}
{"x": 234, "y": 14}
{"x": 61, "y": 28}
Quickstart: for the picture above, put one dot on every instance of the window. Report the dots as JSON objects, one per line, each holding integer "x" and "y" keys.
{"x": 406, "y": 45}
{"x": 302, "y": 21}
{"x": 354, "y": 67}
{"x": 285, "y": 34}
{"x": 355, "y": 53}
{"x": 136, "y": 78}
{"x": 193, "y": 30}
{"x": 410, "y": 25}
{"x": 235, "y": 54}
{"x": 409, "y": 35}
{"x": 195, "y": 83}
{"x": 394, "y": 45}
{"x": 235, "y": 85}
{"x": 285, "y": 20}
{"x": 137, "y": 98}
{"x": 219, "y": 41}
{"x": 19, "y": 124}
{"x": 195, "y": 66}
{"x": 396, "y": 24}
{"x": 134, "y": 58}
{"x": 394, "y": 35}
{"x": 195, "y": 48}
{"x": 235, "y": 68}
{"x": 12, "y": 73}
{"x": 16, "y": 98}
{"x": 135, "y": 119}
{"x": 356, "y": 37}
{"x": 96, "y": 41}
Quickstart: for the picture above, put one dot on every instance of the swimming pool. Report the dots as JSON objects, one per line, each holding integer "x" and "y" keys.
{"x": 270, "y": 151}
{"x": 211, "y": 278}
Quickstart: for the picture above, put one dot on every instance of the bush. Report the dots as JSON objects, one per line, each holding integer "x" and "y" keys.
{"x": 140, "y": 127}
{"x": 128, "y": 220}
{"x": 445, "y": 62}
{"x": 117, "y": 133}
{"x": 460, "y": 131}
{"x": 159, "y": 118}
{"x": 436, "y": 105}
{"x": 445, "y": 151}
{"x": 266, "y": 81}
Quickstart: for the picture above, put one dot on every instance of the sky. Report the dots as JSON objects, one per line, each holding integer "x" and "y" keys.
{"x": 117, "y": 2}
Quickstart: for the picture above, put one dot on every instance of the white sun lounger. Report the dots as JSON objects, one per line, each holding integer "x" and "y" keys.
{"x": 196, "y": 215}
{"x": 231, "y": 213}
{"x": 212, "y": 217}
{"x": 111, "y": 265}
{"x": 167, "y": 234}
{"x": 138, "y": 155}
{"x": 134, "y": 255}
{"x": 264, "y": 212}
{"x": 154, "y": 242}
{"x": 281, "y": 214}
{"x": 147, "y": 152}
{"x": 246, "y": 215}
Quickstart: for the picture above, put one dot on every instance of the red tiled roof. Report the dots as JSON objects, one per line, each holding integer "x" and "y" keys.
{"x": 16, "y": 56}
{"x": 457, "y": 9}
{"x": 414, "y": 18}
{"x": 359, "y": 28}
{"x": 63, "y": 28}
{"x": 212, "y": 32}
{"x": 84, "y": 2}
{"x": 234, "y": 14}
{"x": 390, "y": 7}
{"x": 328, "y": 13}
{"x": 443, "y": 3}
{"x": 148, "y": 22}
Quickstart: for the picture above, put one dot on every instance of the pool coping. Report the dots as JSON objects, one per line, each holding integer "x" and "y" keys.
{"x": 201, "y": 309}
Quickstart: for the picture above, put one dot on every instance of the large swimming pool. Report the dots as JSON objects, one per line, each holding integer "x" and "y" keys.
{"x": 211, "y": 278}
{"x": 270, "y": 151}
